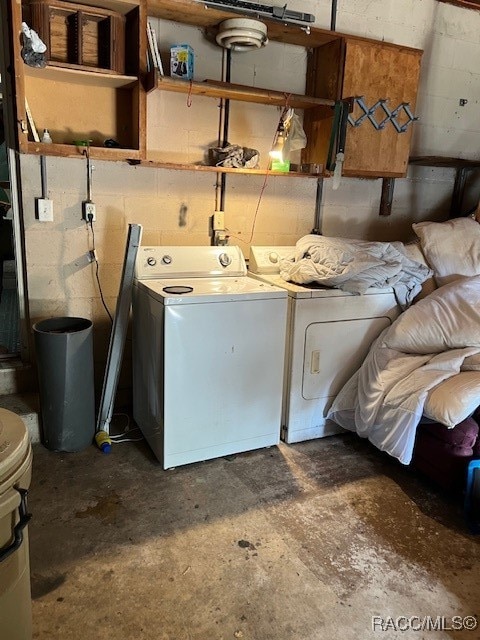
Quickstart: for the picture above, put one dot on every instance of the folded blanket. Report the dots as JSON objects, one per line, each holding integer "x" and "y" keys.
{"x": 429, "y": 343}
{"x": 354, "y": 266}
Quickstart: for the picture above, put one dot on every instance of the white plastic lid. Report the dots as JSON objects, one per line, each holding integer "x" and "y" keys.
{"x": 14, "y": 446}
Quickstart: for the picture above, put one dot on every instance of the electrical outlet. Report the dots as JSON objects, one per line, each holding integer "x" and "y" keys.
{"x": 89, "y": 211}
{"x": 218, "y": 220}
{"x": 220, "y": 238}
{"x": 44, "y": 210}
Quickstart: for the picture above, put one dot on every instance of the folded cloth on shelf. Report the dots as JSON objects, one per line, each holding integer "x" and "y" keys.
{"x": 354, "y": 266}
{"x": 429, "y": 343}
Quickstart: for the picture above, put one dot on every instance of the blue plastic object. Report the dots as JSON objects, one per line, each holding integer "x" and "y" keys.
{"x": 103, "y": 441}
{"x": 472, "y": 496}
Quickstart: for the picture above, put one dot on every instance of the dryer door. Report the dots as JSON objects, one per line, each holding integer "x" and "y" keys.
{"x": 334, "y": 351}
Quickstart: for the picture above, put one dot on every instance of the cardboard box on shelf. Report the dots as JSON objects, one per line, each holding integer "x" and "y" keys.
{"x": 181, "y": 61}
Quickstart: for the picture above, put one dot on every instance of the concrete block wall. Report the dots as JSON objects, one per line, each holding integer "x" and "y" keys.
{"x": 174, "y": 206}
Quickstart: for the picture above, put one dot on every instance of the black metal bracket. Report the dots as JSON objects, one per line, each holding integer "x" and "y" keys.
{"x": 391, "y": 115}
{"x": 386, "y": 201}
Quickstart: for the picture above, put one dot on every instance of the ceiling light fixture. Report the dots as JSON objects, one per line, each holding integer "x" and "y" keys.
{"x": 242, "y": 34}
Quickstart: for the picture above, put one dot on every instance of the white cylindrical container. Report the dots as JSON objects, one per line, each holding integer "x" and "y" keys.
{"x": 15, "y": 476}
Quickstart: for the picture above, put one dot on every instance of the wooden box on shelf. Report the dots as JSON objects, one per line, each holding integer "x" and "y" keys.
{"x": 85, "y": 92}
{"x": 359, "y": 67}
{"x": 80, "y": 36}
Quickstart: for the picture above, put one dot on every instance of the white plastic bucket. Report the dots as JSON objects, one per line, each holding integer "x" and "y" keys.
{"x": 15, "y": 476}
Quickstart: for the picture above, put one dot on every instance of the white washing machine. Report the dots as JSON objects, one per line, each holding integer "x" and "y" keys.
{"x": 329, "y": 333}
{"x": 208, "y": 354}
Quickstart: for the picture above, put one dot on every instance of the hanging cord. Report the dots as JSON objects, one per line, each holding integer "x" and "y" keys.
{"x": 285, "y": 111}
{"x": 93, "y": 254}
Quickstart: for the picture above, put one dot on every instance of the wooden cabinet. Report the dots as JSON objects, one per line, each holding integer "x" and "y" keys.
{"x": 92, "y": 86}
{"x": 374, "y": 71}
{"x": 99, "y": 93}
{"x": 339, "y": 66}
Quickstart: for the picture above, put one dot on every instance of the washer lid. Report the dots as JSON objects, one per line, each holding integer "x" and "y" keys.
{"x": 14, "y": 445}
{"x": 210, "y": 290}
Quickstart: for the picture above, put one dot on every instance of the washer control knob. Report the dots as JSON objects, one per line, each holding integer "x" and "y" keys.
{"x": 167, "y": 259}
{"x": 273, "y": 257}
{"x": 151, "y": 261}
{"x": 224, "y": 259}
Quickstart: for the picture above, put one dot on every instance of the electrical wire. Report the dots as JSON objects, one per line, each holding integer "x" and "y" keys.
{"x": 264, "y": 185}
{"x": 120, "y": 437}
{"x": 94, "y": 254}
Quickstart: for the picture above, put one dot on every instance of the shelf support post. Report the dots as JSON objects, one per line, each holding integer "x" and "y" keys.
{"x": 458, "y": 191}
{"x": 388, "y": 185}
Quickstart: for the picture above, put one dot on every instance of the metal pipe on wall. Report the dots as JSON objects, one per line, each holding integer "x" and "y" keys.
{"x": 333, "y": 18}
{"x": 223, "y": 126}
{"x": 226, "y": 122}
{"x": 317, "y": 225}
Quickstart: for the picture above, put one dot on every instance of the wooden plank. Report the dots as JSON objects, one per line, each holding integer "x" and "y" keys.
{"x": 206, "y": 168}
{"x": 72, "y": 151}
{"x": 441, "y": 161}
{"x": 119, "y": 6}
{"x": 242, "y": 93}
{"x": 377, "y": 72}
{"x": 136, "y": 32}
{"x": 15, "y": 19}
{"x": 70, "y": 116}
{"x": 324, "y": 78}
{"x": 325, "y": 70}
{"x": 195, "y": 13}
{"x": 467, "y": 4}
{"x": 69, "y": 74}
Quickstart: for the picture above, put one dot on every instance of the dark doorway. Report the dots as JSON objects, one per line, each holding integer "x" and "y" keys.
{"x": 9, "y": 310}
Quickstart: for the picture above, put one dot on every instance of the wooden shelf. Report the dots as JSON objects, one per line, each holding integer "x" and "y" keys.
{"x": 242, "y": 93}
{"x": 82, "y": 77}
{"x": 91, "y": 96}
{"x": 76, "y": 151}
{"x": 443, "y": 161}
{"x": 230, "y": 170}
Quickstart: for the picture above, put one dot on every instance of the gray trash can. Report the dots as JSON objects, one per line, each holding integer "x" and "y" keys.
{"x": 64, "y": 351}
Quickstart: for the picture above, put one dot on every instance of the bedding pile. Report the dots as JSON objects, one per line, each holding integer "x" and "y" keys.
{"x": 427, "y": 362}
{"x": 354, "y": 266}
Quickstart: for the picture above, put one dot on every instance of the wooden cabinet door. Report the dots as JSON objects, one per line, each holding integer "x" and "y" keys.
{"x": 378, "y": 70}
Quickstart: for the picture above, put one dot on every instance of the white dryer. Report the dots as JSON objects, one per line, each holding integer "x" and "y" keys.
{"x": 208, "y": 354}
{"x": 329, "y": 333}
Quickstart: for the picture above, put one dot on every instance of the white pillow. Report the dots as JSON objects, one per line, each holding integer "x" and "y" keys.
{"x": 449, "y": 318}
{"x": 455, "y": 399}
{"x": 452, "y": 248}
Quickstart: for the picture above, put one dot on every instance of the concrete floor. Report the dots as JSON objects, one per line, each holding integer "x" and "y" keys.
{"x": 291, "y": 543}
